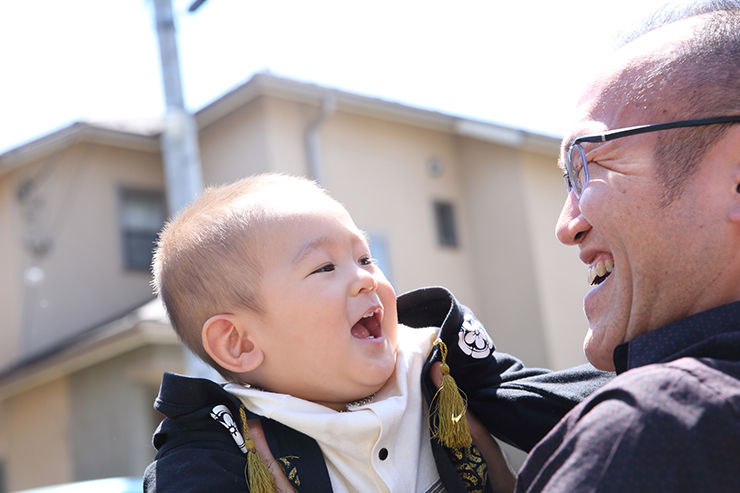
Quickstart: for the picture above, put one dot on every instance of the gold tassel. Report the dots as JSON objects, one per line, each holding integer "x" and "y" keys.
{"x": 449, "y": 407}
{"x": 258, "y": 475}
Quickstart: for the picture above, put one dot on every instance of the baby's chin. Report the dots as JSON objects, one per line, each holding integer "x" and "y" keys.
{"x": 384, "y": 376}
{"x": 366, "y": 390}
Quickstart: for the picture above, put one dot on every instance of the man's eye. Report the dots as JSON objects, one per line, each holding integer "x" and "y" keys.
{"x": 368, "y": 261}
{"x": 325, "y": 268}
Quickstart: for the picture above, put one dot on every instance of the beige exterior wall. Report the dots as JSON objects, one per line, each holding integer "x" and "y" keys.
{"x": 236, "y": 145}
{"x": 378, "y": 170}
{"x": 93, "y": 423}
{"x": 286, "y": 123}
{"x": 78, "y": 210}
{"x": 35, "y": 435}
{"x": 502, "y": 251}
{"x": 561, "y": 277}
{"x": 11, "y": 278}
{"x": 110, "y": 440}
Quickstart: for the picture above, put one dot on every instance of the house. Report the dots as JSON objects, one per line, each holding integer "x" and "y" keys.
{"x": 446, "y": 201}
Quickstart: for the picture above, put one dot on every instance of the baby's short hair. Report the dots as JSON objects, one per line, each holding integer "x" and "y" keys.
{"x": 208, "y": 258}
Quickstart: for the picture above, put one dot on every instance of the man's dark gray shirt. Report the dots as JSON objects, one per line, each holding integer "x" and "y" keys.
{"x": 669, "y": 421}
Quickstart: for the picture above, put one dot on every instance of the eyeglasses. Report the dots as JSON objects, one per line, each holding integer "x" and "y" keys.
{"x": 576, "y": 166}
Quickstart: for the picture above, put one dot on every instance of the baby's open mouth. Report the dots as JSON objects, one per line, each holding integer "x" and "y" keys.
{"x": 368, "y": 327}
{"x": 599, "y": 271}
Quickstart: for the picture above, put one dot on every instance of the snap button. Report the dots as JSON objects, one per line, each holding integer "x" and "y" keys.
{"x": 383, "y": 454}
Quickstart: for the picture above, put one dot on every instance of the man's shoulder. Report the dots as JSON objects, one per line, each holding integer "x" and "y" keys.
{"x": 671, "y": 397}
{"x": 705, "y": 376}
{"x": 661, "y": 427}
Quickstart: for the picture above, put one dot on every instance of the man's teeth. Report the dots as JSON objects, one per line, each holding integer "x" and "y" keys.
{"x": 368, "y": 315}
{"x": 599, "y": 271}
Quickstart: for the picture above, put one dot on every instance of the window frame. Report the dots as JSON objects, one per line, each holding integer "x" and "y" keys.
{"x": 125, "y": 194}
{"x": 446, "y": 224}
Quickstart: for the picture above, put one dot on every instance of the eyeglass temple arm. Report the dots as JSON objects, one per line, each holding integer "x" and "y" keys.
{"x": 640, "y": 129}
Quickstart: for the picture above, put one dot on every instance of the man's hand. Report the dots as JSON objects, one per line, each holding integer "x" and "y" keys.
{"x": 257, "y": 434}
{"x": 500, "y": 474}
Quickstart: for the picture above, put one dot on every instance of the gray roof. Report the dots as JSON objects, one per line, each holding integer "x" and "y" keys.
{"x": 143, "y": 134}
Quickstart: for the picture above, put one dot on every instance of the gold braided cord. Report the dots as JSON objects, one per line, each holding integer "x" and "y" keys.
{"x": 258, "y": 475}
{"x": 450, "y": 427}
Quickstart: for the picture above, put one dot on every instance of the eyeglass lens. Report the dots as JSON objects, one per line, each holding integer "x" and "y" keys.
{"x": 577, "y": 169}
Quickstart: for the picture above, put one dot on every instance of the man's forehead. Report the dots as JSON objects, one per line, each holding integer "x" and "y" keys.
{"x": 607, "y": 103}
{"x": 609, "y": 100}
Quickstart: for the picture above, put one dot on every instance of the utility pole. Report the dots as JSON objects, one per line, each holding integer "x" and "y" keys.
{"x": 179, "y": 141}
{"x": 180, "y": 152}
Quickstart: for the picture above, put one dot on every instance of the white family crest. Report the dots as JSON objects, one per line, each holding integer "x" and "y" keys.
{"x": 221, "y": 414}
{"x": 473, "y": 338}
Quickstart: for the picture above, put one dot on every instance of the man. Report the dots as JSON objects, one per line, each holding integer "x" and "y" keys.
{"x": 655, "y": 213}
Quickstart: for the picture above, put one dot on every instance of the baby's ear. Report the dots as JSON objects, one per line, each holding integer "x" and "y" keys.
{"x": 226, "y": 340}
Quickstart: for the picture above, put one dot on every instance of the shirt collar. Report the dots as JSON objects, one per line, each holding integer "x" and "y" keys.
{"x": 694, "y": 335}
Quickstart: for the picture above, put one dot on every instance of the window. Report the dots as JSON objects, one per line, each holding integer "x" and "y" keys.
{"x": 444, "y": 215}
{"x": 142, "y": 216}
{"x": 379, "y": 251}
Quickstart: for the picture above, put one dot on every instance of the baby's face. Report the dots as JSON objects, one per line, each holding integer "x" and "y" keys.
{"x": 329, "y": 332}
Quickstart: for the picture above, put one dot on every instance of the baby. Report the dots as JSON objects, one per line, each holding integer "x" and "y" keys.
{"x": 270, "y": 282}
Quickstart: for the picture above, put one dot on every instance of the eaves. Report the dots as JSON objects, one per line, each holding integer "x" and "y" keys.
{"x": 264, "y": 84}
{"x": 75, "y": 133}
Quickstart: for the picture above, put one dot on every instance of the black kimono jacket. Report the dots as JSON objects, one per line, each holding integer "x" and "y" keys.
{"x": 518, "y": 405}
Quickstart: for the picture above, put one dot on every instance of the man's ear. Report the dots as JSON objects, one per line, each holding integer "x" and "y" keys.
{"x": 226, "y": 340}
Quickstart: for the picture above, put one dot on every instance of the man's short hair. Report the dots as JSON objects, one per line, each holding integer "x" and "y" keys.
{"x": 208, "y": 259}
{"x": 698, "y": 79}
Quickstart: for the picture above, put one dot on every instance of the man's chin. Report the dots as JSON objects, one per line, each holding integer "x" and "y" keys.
{"x": 600, "y": 356}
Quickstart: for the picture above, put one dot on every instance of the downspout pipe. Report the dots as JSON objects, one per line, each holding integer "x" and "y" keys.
{"x": 313, "y": 148}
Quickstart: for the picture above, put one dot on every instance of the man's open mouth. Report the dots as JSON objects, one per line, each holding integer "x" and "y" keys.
{"x": 368, "y": 327}
{"x": 599, "y": 271}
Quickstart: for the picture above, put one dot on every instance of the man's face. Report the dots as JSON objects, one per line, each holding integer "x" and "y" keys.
{"x": 329, "y": 331}
{"x": 667, "y": 259}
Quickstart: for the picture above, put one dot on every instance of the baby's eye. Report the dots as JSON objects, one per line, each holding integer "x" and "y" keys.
{"x": 325, "y": 268}
{"x": 368, "y": 261}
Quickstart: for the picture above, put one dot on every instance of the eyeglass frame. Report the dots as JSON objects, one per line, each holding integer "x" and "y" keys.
{"x": 571, "y": 177}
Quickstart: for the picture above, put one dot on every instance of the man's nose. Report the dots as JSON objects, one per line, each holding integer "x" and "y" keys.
{"x": 571, "y": 226}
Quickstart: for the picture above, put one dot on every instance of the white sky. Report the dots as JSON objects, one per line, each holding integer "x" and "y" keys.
{"x": 520, "y": 63}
